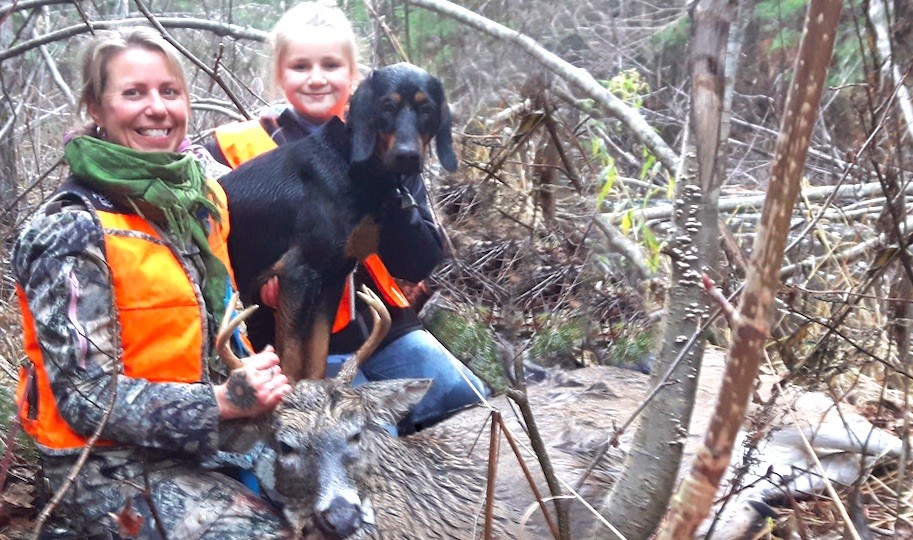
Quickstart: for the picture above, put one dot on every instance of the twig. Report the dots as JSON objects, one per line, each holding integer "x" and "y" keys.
{"x": 494, "y": 447}
{"x": 147, "y": 494}
{"x": 397, "y": 46}
{"x": 190, "y": 56}
{"x": 188, "y": 23}
{"x": 11, "y": 441}
{"x": 529, "y": 478}
{"x": 535, "y": 439}
{"x": 80, "y": 462}
{"x": 728, "y": 310}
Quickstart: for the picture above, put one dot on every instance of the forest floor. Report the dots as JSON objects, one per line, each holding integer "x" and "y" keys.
{"x": 617, "y": 392}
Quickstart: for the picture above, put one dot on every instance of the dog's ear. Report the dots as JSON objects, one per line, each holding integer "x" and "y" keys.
{"x": 360, "y": 120}
{"x": 443, "y": 138}
{"x": 336, "y": 134}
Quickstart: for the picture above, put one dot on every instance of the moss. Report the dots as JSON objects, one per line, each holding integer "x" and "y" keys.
{"x": 469, "y": 338}
{"x": 25, "y": 448}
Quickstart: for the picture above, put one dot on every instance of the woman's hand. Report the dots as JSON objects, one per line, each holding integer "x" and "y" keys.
{"x": 253, "y": 389}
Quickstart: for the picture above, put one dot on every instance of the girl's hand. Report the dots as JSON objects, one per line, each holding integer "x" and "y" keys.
{"x": 269, "y": 293}
{"x": 253, "y": 389}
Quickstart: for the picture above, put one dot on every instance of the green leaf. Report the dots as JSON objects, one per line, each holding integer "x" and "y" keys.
{"x": 649, "y": 162}
{"x": 627, "y": 221}
{"x": 609, "y": 173}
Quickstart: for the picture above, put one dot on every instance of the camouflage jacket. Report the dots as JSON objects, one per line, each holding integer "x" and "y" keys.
{"x": 59, "y": 261}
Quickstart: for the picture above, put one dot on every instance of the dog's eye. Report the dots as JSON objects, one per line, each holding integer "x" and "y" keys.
{"x": 426, "y": 112}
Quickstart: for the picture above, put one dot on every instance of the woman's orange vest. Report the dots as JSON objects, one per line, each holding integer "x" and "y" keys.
{"x": 161, "y": 319}
{"x": 242, "y": 141}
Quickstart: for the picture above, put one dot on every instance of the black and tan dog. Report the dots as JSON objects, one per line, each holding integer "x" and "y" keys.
{"x": 308, "y": 210}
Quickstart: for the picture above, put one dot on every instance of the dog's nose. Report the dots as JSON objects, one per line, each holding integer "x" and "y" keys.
{"x": 408, "y": 161}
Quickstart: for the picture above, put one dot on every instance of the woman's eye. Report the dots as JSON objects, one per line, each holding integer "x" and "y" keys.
{"x": 130, "y": 92}
{"x": 171, "y": 92}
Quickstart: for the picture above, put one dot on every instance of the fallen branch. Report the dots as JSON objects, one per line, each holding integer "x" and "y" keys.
{"x": 754, "y": 202}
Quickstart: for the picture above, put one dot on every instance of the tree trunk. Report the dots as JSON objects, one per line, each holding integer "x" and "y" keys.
{"x": 751, "y": 327}
{"x": 651, "y": 466}
{"x": 8, "y": 170}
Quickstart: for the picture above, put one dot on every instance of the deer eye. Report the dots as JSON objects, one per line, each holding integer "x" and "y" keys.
{"x": 285, "y": 448}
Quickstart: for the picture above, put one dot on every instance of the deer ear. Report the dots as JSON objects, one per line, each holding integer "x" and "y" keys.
{"x": 265, "y": 471}
{"x": 391, "y": 401}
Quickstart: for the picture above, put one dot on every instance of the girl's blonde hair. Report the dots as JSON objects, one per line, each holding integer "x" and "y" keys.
{"x": 99, "y": 51}
{"x": 308, "y": 16}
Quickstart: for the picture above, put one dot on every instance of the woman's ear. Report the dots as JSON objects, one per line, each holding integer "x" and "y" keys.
{"x": 93, "y": 111}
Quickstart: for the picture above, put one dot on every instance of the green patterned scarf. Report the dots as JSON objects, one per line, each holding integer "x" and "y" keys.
{"x": 166, "y": 188}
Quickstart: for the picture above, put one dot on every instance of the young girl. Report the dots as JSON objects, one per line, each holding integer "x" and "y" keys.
{"x": 314, "y": 65}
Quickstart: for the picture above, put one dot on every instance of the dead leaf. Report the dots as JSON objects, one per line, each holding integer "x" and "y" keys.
{"x": 128, "y": 521}
{"x": 19, "y": 495}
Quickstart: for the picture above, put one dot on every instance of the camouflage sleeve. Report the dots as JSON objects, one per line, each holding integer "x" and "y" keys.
{"x": 59, "y": 262}
{"x": 212, "y": 166}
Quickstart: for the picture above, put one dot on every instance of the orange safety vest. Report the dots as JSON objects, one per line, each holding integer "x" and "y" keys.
{"x": 242, "y": 141}
{"x": 161, "y": 324}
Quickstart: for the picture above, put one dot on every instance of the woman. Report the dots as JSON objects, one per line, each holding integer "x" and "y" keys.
{"x": 314, "y": 65}
{"x": 122, "y": 277}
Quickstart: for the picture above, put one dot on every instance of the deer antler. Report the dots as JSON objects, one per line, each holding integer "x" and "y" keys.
{"x": 227, "y": 328}
{"x": 381, "y": 325}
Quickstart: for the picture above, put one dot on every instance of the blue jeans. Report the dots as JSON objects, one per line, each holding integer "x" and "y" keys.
{"x": 418, "y": 355}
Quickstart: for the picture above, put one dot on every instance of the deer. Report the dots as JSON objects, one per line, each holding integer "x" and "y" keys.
{"x": 328, "y": 458}
{"x": 338, "y": 473}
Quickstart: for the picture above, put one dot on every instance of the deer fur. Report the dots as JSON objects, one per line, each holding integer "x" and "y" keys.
{"x": 331, "y": 462}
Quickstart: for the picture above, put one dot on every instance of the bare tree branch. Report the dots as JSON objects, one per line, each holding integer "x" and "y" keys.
{"x": 576, "y": 76}
{"x": 218, "y": 28}
{"x": 697, "y": 491}
{"x": 26, "y": 5}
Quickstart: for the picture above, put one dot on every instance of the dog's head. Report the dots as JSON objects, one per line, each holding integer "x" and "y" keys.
{"x": 394, "y": 114}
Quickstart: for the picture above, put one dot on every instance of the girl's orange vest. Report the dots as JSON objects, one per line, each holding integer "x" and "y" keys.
{"x": 160, "y": 315}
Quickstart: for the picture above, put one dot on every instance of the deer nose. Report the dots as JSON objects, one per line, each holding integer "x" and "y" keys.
{"x": 341, "y": 519}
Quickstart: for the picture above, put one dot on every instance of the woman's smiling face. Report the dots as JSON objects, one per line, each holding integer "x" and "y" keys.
{"x": 144, "y": 104}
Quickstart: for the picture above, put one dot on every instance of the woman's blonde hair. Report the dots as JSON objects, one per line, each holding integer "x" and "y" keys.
{"x": 306, "y": 16}
{"x": 99, "y": 51}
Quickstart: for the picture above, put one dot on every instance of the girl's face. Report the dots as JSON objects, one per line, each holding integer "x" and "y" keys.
{"x": 143, "y": 105}
{"x": 316, "y": 73}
